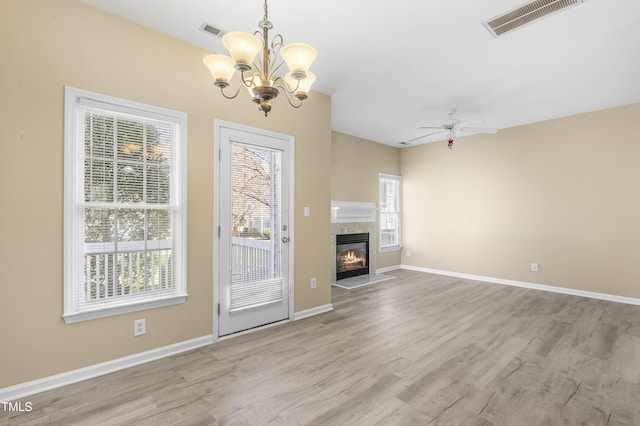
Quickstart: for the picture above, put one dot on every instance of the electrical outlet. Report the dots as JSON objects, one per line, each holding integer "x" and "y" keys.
{"x": 313, "y": 282}
{"x": 408, "y": 253}
{"x": 139, "y": 327}
{"x": 534, "y": 267}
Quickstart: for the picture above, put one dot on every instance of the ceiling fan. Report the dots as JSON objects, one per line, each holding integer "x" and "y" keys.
{"x": 451, "y": 126}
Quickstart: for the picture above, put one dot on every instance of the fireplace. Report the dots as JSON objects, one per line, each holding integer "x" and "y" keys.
{"x": 352, "y": 255}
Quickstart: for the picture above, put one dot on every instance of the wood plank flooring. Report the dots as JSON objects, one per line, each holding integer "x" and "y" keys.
{"x": 420, "y": 349}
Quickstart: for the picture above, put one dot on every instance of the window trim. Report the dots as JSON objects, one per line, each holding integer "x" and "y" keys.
{"x": 71, "y": 314}
{"x": 398, "y": 180}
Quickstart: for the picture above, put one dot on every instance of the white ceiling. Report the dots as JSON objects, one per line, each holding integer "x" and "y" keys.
{"x": 391, "y": 67}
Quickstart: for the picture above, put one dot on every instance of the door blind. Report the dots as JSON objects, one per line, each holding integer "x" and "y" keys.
{"x": 256, "y": 258}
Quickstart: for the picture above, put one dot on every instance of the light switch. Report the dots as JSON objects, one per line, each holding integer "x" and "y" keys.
{"x": 307, "y": 212}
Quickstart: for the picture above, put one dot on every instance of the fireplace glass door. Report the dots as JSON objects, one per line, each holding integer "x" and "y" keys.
{"x": 352, "y": 255}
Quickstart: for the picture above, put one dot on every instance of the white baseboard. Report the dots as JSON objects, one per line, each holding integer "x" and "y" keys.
{"x": 388, "y": 269}
{"x": 533, "y": 286}
{"x": 313, "y": 311}
{"x": 22, "y": 390}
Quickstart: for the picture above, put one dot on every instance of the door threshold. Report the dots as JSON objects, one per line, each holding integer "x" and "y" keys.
{"x": 254, "y": 329}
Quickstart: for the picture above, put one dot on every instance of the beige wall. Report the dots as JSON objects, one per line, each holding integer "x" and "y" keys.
{"x": 561, "y": 193}
{"x": 355, "y": 166}
{"x": 48, "y": 44}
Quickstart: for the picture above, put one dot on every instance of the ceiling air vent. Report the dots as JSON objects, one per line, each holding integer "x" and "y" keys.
{"x": 524, "y": 14}
{"x": 211, "y": 29}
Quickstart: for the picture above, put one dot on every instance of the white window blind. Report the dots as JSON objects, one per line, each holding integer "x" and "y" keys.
{"x": 390, "y": 214}
{"x": 124, "y": 206}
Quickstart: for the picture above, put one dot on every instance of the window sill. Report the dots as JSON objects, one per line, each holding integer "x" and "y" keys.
{"x": 394, "y": 248}
{"x": 123, "y": 309}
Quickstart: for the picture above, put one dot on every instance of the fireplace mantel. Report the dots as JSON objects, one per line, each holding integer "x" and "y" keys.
{"x": 352, "y": 211}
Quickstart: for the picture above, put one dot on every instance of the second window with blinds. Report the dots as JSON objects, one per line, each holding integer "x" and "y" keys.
{"x": 390, "y": 214}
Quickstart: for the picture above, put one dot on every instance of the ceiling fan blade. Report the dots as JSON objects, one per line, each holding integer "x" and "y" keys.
{"x": 423, "y": 136}
{"x": 477, "y": 130}
{"x": 470, "y": 123}
{"x": 432, "y": 127}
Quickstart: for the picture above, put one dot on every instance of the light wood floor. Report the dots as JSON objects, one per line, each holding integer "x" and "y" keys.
{"x": 417, "y": 350}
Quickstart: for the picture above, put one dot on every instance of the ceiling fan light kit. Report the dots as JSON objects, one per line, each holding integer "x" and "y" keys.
{"x": 259, "y": 73}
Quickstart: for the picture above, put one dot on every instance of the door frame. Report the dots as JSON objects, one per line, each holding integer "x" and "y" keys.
{"x": 218, "y": 125}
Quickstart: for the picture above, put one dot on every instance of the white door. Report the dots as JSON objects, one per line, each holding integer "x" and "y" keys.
{"x": 254, "y": 250}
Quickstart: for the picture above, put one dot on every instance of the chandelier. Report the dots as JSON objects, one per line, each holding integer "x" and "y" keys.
{"x": 259, "y": 74}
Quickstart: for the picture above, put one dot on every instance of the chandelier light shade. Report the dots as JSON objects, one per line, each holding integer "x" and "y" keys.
{"x": 300, "y": 87}
{"x": 221, "y": 68}
{"x": 298, "y": 57}
{"x": 259, "y": 60}
{"x": 243, "y": 48}
{"x": 257, "y": 82}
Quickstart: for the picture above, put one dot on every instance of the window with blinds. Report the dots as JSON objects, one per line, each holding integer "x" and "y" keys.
{"x": 125, "y": 206}
{"x": 390, "y": 214}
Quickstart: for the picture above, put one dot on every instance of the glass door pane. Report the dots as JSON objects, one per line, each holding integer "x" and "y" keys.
{"x": 256, "y": 266}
